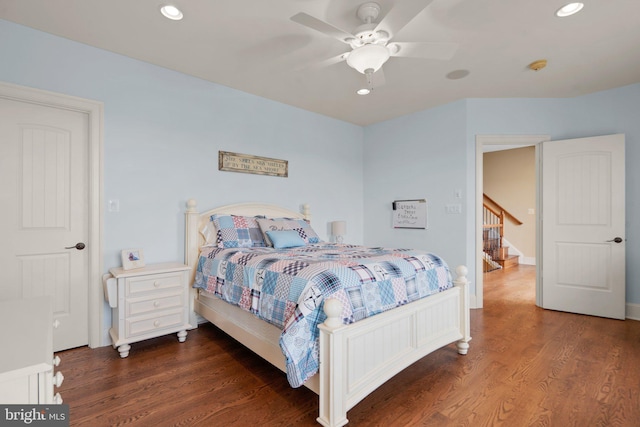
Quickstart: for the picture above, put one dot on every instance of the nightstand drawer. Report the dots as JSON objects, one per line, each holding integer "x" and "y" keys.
{"x": 155, "y": 324}
{"x": 139, "y": 285}
{"x": 148, "y": 305}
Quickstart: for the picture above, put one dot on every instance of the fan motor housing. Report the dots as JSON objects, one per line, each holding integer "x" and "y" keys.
{"x": 368, "y": 12}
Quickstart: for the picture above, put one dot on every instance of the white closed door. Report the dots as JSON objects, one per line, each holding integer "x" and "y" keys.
{"x": 44, "y": 211}
{"x": 583, "y": 226}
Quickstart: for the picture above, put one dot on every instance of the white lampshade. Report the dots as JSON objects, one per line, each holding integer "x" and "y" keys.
{"x": 368, "y": 57}
{"x": 339, "y": 229}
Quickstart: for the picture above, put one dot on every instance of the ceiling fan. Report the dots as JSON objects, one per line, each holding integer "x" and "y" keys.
{"x": 371, "y": 44}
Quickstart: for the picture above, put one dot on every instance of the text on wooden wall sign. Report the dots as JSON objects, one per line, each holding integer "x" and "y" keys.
{"x": 236, "y": 162}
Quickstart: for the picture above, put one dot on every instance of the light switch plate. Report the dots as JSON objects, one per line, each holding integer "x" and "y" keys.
{"x": 114, "y": 206}
{"x": 454, "y": 209}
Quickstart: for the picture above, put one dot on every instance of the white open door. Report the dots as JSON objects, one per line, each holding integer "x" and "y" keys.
{"x": 583, "y": 226}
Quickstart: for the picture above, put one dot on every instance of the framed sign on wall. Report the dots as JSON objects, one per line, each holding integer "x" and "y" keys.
{"x": 245, "y": 163}
{"x": 410, "y": 214}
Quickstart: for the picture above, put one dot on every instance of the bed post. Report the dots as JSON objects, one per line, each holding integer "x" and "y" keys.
{"x": 332, "y": 396}
{"x": 191, "y": 250}
{"x": 463, "y": 284}
{"x": 306, "y": 212}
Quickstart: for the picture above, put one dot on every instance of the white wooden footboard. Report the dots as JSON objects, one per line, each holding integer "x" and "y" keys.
{"x": 356, "y": 359}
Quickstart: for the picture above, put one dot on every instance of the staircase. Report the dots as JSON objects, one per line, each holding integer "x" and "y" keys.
{"x": 496, "y": 255}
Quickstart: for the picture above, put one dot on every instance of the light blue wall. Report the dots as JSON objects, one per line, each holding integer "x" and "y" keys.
{"x": 607, "y": 112}
{"x": 162, "y": 133}
{"x": 418, "y": 156}
{"x": 431, "y": 154}
{"x": 163, "y": 130}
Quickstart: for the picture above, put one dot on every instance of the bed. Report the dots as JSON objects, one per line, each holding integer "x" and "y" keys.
{"x": 352, "y": 359}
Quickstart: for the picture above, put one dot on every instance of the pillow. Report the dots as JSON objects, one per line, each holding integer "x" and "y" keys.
{"x": 279, "y": 224}
{"x": 285, "y": 239}
{"x": 210, "y": 234}
{"x": 233, "y": 231}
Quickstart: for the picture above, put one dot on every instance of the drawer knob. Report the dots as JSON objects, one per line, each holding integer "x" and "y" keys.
{"x": 56, "y": 361}
{"x": 156, "y": 323}
{"x": 58, "y": 379}
{"x": 156, "y": 303}
{"x": 156, "y": 284}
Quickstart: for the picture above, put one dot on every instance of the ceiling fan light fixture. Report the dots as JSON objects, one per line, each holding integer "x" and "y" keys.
{"x": 569, "y": 9}
{"x": 368, "y": 57}
{"x": 171, "y": 12}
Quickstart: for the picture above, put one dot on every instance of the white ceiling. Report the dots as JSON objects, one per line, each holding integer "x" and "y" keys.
{"x": 253, "y": 46}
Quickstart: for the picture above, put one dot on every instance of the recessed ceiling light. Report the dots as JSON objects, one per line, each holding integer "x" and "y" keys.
{"x": 569, "y": 9}
{"x": 171, "y": 12}
{"x": 363, "y": 91}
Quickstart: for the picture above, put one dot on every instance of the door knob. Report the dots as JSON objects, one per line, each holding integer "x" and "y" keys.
{"x": 79, "y": 246}
{"x": 617, "y": 240}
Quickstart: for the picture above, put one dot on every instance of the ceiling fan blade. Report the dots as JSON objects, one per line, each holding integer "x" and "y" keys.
{"x": 426, "y": 50}
{"x": 401, "y": 14}
{"x": 323, "y": 63}
{"x": 334, "y": 60}
{"x": 321, "y": 26}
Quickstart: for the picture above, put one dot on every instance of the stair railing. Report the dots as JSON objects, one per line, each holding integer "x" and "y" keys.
{"x": 493, "y": 230}
{"x": 497, "y": 207}
{"x": 494, "y": 222}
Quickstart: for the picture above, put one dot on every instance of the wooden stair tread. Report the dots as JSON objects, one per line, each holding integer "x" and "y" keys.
{"x": 509, "y": 261}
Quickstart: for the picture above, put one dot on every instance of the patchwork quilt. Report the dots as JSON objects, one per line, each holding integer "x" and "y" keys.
{"x": 287, "y": 288}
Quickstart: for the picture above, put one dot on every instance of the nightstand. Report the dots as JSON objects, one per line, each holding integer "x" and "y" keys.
{"x": 147, "y": 302}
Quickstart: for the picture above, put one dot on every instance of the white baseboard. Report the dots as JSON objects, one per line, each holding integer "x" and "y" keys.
{"x": 633, "y": 311}
{"x": 527, "y": 260}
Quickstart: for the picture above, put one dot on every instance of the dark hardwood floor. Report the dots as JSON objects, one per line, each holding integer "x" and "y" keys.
{"x": 526, "y": 367}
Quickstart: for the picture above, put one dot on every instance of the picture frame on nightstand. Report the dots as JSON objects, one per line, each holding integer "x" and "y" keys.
{"x": 132, "y": 258}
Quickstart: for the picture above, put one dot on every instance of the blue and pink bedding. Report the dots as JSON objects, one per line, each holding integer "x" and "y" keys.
{"x": 287, "y": 288}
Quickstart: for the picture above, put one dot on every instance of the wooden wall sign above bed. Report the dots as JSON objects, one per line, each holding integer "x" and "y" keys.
{"x": 236, "y": 162}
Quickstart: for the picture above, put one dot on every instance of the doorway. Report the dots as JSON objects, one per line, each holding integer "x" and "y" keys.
{"x": 503, "y": 142}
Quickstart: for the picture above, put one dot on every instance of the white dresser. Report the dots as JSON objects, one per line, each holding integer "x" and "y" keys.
{"x": 147, "y": 302}
{"x": 26, "y": 359}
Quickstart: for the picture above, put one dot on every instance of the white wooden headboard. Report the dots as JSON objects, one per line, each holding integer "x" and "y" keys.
{"x": 195, "y": 222}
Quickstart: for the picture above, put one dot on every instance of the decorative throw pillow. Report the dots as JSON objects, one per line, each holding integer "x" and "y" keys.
{"x": 301, "y": 226}
{"x": 285, "y": 239}
{"x": 233, "y": 231}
